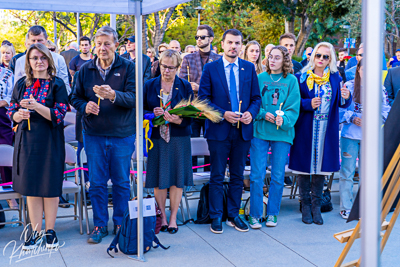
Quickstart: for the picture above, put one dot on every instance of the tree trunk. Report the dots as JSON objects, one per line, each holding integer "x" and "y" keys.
{"x": 302, "y": 38}
{"x": 289, "y": 25}
{"x": 144, "y": 34}
{"x": 159, "y": 30}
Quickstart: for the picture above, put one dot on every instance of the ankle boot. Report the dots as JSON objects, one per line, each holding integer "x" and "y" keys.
{"x": 317, "y": 186}
{"x": 304, "y": 183}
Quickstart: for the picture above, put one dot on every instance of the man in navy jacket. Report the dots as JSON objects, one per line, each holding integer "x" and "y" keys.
{"x": 233, "y": 90}
{"x": 108, "y": 128}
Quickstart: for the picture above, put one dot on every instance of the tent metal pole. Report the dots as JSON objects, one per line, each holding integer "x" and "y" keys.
{"x": 113, "y": 21}
{"x": 78, "y": 26}
{"x": 372, "y": 143}
{"x": 55, "y": 30}
{"x": 139, "y": 127}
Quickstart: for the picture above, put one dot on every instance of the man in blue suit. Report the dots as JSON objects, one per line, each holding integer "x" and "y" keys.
{"x": 230, "y": 85}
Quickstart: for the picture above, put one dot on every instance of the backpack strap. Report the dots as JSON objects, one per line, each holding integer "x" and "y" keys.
{"x": 159, "y": 244}
{"x": 113, "y": 245}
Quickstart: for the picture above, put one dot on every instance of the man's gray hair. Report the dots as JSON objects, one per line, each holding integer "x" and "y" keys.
{"x": 74, "y": 45}
{"x": 107, "y": 30}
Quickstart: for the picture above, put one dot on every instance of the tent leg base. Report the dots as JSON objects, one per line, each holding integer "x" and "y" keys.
{"x": 137, "y": 258}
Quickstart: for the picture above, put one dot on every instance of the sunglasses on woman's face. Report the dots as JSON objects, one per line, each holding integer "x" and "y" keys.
{"x": 325, "y": 57}
{"x": 201, "y": 37}
{"x": 52, "y": 49}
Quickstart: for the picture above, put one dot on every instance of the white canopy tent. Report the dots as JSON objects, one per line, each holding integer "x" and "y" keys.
{"x": 372, "y": 143}
{"x": 127, "y": 7}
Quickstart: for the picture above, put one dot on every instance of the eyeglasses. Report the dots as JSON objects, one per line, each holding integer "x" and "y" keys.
{"x": 325, "y": 57}
{"x": 168, "y": 67}
{"x": 201, "y": 37}
{"x": 37, "y": 58}
{"x": 159, "y": 51}
{"x": 148, "y": 52}
{"x": 360, "y": 55}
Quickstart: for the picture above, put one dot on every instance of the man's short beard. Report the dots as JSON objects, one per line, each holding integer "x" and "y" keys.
{"x": 204, "y": 45}
{"x": 231, "y": 56}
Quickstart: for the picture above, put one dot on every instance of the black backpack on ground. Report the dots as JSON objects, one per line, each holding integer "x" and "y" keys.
{"x": 203, "y": 216}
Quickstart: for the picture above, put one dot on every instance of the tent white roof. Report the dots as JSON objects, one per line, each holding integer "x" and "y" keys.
{"x": 90, "y": 6}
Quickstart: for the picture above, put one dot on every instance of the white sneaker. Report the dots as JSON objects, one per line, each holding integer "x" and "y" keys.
{"x": 254, "y": 223}
{"x": 272, "y": 220}
{"x": 345, "y": 214}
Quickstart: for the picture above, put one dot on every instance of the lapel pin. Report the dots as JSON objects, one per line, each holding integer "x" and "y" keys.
{"x": 117, "y": 74}
{"x": 210, "y": 60}
{"x": 242, "y": 68}
{"x": 176, "y": 88}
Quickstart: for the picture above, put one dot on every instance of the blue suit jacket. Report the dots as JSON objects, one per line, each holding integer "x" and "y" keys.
{"x": 181, "y": 90}
{"x": 301, "y": 150}
{"x": 214, "y": 88}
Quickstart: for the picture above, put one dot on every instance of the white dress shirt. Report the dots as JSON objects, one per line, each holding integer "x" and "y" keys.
{"x": 227, "y": 69}
{"x": 59, "y": 62}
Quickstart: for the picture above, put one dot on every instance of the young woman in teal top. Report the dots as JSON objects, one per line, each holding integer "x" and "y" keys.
{"x": 279, "y": 92}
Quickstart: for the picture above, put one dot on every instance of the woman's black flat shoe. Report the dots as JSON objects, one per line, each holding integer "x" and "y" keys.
{"x": 172, "y": 230}
{"x": 164, "y": 228}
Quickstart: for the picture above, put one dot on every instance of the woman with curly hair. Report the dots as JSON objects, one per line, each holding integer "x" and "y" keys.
{"x": 275, "y": 130}
{"x": 315, "y": 150}
{"x": 252, "y": 53}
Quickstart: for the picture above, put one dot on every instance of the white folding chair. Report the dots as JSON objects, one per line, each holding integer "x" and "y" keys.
{"x": 70, "y": 187}
{"x": 6, "y": 160}
{"x": 69, "y": 135}
{"x": 69, "y": 118}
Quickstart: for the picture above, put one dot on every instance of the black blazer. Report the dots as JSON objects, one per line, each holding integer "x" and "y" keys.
{"x": 392, "y": 83}
{"x": 181, "y": 90}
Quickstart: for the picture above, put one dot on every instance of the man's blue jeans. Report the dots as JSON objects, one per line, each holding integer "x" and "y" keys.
{"x": 258, "y": 161}
{"x": 350, "y": 150}
{"x": 109, "y": 158}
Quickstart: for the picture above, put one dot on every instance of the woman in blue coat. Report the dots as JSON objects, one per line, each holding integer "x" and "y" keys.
{"x": 315, "y": 149}
{"x": 169, "y": 164}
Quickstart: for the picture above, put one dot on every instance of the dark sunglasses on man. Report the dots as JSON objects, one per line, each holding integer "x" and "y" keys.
{"x": 360, "y": 55}
{"x": 325, "y": 57}
{"x": 201, "y": 37}
{"x": 52, "y": 49}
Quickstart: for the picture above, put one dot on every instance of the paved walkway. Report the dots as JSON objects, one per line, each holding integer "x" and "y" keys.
{"x": 291, "y": 243}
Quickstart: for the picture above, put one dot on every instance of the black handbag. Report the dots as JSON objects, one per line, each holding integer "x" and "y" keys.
{"x": 326, "y": 203}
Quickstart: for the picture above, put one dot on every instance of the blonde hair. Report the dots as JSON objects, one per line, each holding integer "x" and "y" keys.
{"x": 153, "y": 51}
{"x": 332, "y": 58}
{"x": 162, "y": 45}
{"x": 6, "y": 47}
{"x": 50, "y": 44}
{"x": 171, "y": 54}
{"x": 51, "y": 69}
{"x": 258, "y": 64}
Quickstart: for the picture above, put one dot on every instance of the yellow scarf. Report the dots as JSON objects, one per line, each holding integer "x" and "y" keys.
{"x": 312, "y": 77}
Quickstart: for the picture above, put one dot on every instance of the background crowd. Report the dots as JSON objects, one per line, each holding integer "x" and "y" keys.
{"x": 306, "y": 115}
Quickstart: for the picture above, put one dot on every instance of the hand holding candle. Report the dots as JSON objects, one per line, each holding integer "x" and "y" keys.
{"x": 188, "y": 73}
{"x": 161, "y": 98}
{"x": 240, "y": 105}
{"x": 279, "y": 114}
